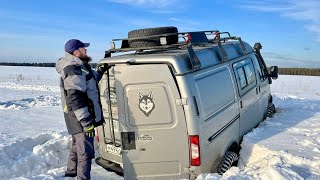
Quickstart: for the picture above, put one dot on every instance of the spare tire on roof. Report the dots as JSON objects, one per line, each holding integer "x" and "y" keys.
{"x": 136, "y": 43}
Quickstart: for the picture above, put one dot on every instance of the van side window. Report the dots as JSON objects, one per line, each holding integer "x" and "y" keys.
{"x": 242, "y": 77}
{"x": 250, "y": 73}
{"x": 245, "y": 74}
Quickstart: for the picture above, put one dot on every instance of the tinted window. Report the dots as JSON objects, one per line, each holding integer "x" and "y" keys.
{"x": 245, "y": 74}
{"x": 250, "y": 73}
{"x": 242, "y": 78}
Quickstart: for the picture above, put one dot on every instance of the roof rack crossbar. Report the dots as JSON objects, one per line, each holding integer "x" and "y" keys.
{"x": 223, "y": 52}
{"x": 243, "y": 47}
{"x": 224, "y": 55}
{"x": 194, "y": 60}
{"x": 223, "y": 39}
{"x": 225, "y": 33}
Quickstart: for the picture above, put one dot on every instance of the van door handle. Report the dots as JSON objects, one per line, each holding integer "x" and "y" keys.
{"x": 241, "y": 104}
{"x": 257, "y": 91}
{"x": 128, "y": 140}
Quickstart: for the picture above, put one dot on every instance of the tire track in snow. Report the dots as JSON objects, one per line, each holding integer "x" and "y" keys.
{"x": 276, "y": 148}
{"x": 23, "y": 87}
{"x": 39, "y": 101}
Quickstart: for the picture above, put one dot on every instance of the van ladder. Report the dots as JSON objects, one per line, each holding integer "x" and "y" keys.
{"x": 110, "y": 110}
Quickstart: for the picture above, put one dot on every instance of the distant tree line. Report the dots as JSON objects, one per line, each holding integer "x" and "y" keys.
{"x": 28, "y": 64}
{"x": 285, "y": 71}
{"x": 300, "y": 71}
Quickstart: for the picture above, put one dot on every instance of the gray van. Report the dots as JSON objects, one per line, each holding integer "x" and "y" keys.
{"x": 177, "y": 104}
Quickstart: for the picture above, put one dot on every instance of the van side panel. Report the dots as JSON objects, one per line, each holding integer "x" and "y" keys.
{"x": 214, "y": 91}
{"x": 214, "y": 98}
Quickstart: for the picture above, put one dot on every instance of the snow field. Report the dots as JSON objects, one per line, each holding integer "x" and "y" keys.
{"x": 34, "y": 143}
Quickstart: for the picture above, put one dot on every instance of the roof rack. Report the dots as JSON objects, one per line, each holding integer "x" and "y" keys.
{"x": 195, "y": 38}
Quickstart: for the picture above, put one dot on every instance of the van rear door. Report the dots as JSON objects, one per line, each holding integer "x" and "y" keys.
{"x": 153, "y": 129}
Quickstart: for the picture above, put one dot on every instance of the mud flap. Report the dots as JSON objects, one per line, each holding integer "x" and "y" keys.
{"x": 110, "y": 166}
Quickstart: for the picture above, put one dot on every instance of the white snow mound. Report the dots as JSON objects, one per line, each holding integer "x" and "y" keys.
{"x": 34, "y": 156}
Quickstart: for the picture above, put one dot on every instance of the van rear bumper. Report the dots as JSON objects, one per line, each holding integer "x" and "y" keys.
{"x": 110, "y": 166}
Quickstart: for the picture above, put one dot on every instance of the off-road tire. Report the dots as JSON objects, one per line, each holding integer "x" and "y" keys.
{"x": 228, "y": 160}
{"x": 271, "y": 110}
{"x": 136, "y": 43}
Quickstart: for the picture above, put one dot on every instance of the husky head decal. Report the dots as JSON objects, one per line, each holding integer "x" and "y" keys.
{"x": 146, "y": 104}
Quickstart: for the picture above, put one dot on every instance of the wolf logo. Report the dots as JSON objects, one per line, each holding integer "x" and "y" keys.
{"x": 146, "y": 104}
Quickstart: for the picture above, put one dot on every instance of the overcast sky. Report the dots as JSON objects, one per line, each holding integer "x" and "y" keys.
{"x": 36, "y": 31}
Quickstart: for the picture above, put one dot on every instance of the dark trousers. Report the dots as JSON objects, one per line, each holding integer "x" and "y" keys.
{"x": 80, "y": 156}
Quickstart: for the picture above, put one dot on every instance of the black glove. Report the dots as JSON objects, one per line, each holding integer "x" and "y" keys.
{"x": 96, "y": 124}
{"x": 103, "y": 68}
{"x": 88, "y": 126}
{"x": 89, "y": 130}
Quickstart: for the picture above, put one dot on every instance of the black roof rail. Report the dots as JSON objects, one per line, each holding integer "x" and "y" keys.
{"x": 194, "y": 38}
{"x": 197, "y": 37}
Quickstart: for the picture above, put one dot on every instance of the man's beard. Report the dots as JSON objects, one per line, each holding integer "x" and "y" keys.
{"x": 86, "y": 59}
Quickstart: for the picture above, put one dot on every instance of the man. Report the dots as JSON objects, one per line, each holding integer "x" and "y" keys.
{"x": 81, "y": 105}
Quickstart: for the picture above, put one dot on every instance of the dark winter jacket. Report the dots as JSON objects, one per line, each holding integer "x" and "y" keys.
{"x": 79, "y": 93}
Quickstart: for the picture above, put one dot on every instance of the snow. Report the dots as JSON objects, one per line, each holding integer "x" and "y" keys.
{"x": 34, "y": 143}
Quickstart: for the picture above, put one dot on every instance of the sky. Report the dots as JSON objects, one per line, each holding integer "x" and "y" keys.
{"x": 36, "y": 31}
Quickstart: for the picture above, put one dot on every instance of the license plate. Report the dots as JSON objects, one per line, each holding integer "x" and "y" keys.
{"x": 113, "y": 150}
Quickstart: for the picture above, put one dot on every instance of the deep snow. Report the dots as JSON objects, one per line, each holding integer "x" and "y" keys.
{"x": 34, "y": 143}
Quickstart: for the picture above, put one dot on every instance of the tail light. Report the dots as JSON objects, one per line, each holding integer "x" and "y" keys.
{"x": 194, "y": 150}
{"x": 97, "y": 135}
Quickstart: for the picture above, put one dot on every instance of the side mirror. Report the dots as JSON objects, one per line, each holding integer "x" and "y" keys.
{"x": 273, "y": 72}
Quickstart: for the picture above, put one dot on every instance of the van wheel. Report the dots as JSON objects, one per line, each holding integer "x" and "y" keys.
{"x": 171, "y": 39}
{"x": 228, "y": 160}
{"x": 271, "y": 110}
